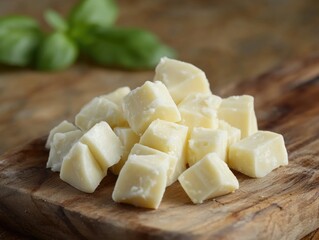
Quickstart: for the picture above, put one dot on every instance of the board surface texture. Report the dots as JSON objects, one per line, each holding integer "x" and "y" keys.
{"x": 282, "y": 205}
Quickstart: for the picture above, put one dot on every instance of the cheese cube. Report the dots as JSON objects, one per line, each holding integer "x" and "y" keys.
{"x": 233, "y": 134}
{"x": 170, "y": 138}
{"x": 117, "y": 96}
{"x": 181, "y": 78}
{"x": 203, "y": 141}
{"x": 142, "y": 181}
{"x": 62, "y": 127}
{"x": 149, "y": 102}
{"x": 104, "y": 145}
{"x": 239, "y": 112}
{"x": 208, "y": 178}
{"x": 80, "y": 169}
{"x": 128, "y": 139}
{"x": 97, "y": 110}
{"x": 200, "y": 110}
{"x": 60, "y": 146}
{"x": 140, "y": 149}
{"x": 258, "y": 154}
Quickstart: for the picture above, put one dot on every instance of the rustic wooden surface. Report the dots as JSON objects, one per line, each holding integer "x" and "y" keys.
{"x": 229, "y": 40}
{"x": 282, "y": 205}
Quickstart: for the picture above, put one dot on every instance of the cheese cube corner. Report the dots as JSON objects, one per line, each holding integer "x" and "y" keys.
{"x": 203, "y": 141}
{"x": 149, "y": 102}
{"x": 80, "y": 169}
{"x": 105, "y": 146}
{"x": 258, "y": 154}
{"x": 142, "y": 181}
{"x": 140, "y": 149}
{"x": 181, "y": 78}
{"x": 170, "y": 138}
{"x": 60, "y": 146}
{"x": 128, "y": 138}
{"x": 97, "y": 110}
{"x": 117, "y": 95}
{"x": 239, "y": 112}
{"x": 200, "y": 110}
{"x": 208, "y": 178}
{"x": 62, "y": 127}
{"x": 233, "y": 134}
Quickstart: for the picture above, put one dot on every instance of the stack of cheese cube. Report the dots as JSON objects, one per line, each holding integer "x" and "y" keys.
{"x": 170, "y": 129}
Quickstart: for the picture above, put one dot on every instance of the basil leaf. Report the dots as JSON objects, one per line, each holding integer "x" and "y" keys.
{"x": 56, "y": 21}
{"x": 122, "y": 47}
{"x": 57, "y": 52}
{"x": 10, "y": 23}
{"x": 19, "y": 39}
{"x": 102, "y": 13}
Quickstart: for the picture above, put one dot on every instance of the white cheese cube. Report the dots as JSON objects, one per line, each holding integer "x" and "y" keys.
{"x": 80, "y": 169}
{"x": 97, "y": 110}
{"x": 60, "y": 146}
{"x": 203, "y": 141}
{"x": 170, "y": 138}
{"x": 200, "y": 110}
{"x": 104, "y": 145}
{"x": 140, "y": 149}
{"x": 62, "y": 127}
{"x": 142, "y": 181}
{"x": 208, "y": 178}
{"x": 117, "y": 96}
{"x": 233, "y": 134}
{"x": 149, "y": 102}
{"x": 128, "y": 139}
{"x": 181, "y": 78}
{"x": 239, "y": 112}
{"x": 258, "y": 154}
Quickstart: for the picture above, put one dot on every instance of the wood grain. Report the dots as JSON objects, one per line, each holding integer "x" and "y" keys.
{"x": 283, "y": 205}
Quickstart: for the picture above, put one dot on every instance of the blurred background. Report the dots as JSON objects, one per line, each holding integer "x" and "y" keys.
{"x": 230, "y": 40}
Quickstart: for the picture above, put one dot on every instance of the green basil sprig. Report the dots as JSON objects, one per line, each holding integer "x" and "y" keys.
{"x": 57, "y": 52}
{"x": 56, "y": 21}
{"x": 19, "y": 38}
{"x": 102, "y": 13}
{"x": 123, "y": 47}
{"x": 89, "y": 29}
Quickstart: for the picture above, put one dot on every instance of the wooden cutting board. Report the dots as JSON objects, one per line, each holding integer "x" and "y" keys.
{"x": 282, "y": 205}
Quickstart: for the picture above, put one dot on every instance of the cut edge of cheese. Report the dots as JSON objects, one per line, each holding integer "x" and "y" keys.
{"x": 145, "y": 189}
{"x": 259, "y": 154}
{"x": 80, "y": 169}
{"x": 181, "y": 78}
{"x": 208, "y": 178}
{"x": 64, "y": 126}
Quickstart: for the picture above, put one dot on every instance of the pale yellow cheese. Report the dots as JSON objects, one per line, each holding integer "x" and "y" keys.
{"x": 60, "y": 146}
{"x": 170, "y": 138}
{"x": 103, "y": 108}
{"x": 181, "y": 78}
{"x": 203, "y": 141}
{"x": 159, "y": 128}
{"x": 62, "y": 127}
{"x": 140, "y": 149}
{"x": 239, "y": 112}
{"x": 258, "y": 154}
{"x": 208, "y": 178}
{"x": 142, "y": 181}
{"x": 128, "y": 139}
{"x": 80, "y": 169}
{"x": 149, "y": 102}
{"x": 199, "y": 110}
{"x": 104, "y": 145}
{"x": 233, "y": 134}
{"x": 117, "y": 95}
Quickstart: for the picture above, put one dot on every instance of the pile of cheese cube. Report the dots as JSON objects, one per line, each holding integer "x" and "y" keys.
{"x": 170, "y": 129}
